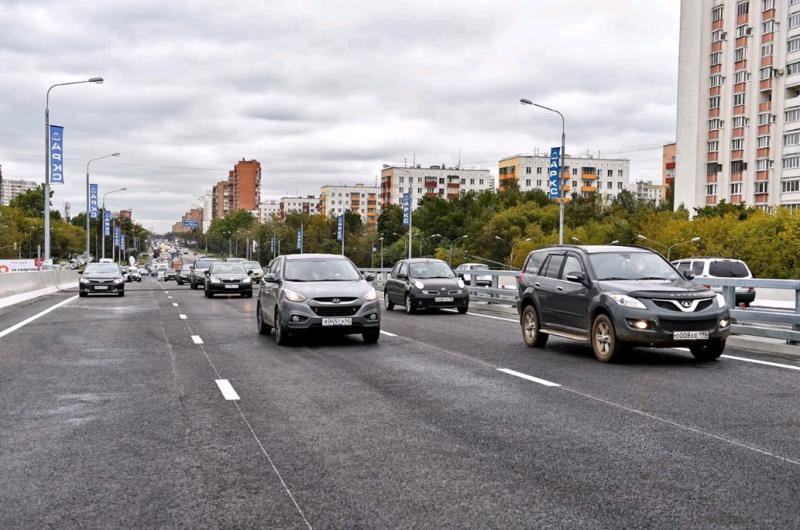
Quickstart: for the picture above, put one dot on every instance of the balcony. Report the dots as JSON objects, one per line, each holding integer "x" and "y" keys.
{"x": 430, "y": 183}
{"x": 567, "y": 187}
{"x": 588, "y": 176}
{"x": 588, "y": 189}
{"x": 765, "y": 85}
{"x": 766, "y": 107}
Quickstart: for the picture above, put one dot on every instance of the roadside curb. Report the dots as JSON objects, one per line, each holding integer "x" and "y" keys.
{"x": 763, "y": 346}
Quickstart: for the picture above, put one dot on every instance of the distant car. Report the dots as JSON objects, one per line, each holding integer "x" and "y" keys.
{"x": 253, "y": 268}
{"x": 236, "y": 260}
{"x": 227, "y": 278}
{"x": 184, "y": 274}
{"x": 309, "y": 293}
{"x": 481, "y": 280}
{"x": 106, "y": 260}
{"x": 143, "y": 271}
{"x": 199, "y": 268}
{"x": 101, "y": 278}
{"x": 720, "y": 268}
{"x": 133, "y": 274}
{"x": 170, "y": 274}
{"x": 125, "y": 270}
{"x": 425, "y": 284}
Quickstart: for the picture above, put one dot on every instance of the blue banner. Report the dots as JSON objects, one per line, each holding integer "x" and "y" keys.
{"x": 122, "y": 246}
{"x": 93, "y": 209}
{"x": 300, "y": 240}
{"x": 116, "y": 235}
{"x": 191, "y": 225}
{"x": 106, "y": 223}
{"x": 406, "y": 208}
{"x": 555, "y": 171}
{"x": 340, "y": 228}
{"x": 56, "y": 154}
{"x": 272, "y": 245}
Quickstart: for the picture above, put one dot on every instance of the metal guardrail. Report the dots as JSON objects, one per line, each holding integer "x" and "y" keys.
{"x": 770, "y": 323}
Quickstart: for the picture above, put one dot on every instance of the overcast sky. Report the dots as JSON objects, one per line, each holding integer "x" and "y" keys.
{"x": 324, "y": 92}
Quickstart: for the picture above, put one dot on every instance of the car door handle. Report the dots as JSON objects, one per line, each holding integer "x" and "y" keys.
{"x": 559, "y": 288}
{"x": 537, "y": 284}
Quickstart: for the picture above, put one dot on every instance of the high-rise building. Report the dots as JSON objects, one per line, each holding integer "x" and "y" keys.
{"x": 10, "y": 189}
{"x": 582, "y": 175}
{"x": 739, "y": 103}
{"x": 432, "y": 181}
{"x": 668, "y": 170}
{"x": 206, "y": 204}
{"x": 359, "y": 199}
{"x": 220, "y": 199}
{"x": 307, "y": 205}
{"x": 245, "y": 183}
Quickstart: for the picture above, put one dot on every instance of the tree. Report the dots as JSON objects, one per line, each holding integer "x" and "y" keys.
{"x": 31, "y": 203}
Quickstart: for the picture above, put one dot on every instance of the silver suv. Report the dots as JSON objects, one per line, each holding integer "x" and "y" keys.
{"x": 706, "y": 267}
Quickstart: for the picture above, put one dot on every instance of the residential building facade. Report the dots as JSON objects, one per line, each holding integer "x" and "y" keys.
{"x": 739, "y": 103}
{"x": 220, "y": 199}
{"x": 10, "y": 189}
{"x": 270, "y": 209}
{"x": 308, "y": 205}
{"x": 648, "y": 191}
{"x": 582, "y": 175}
{"x": 205, "y": 202}
{"x": 432, "y": 181}
{"x": 245, "y": 184}
{"x": 667, "y": 170}
{"x": 360, "y": 199}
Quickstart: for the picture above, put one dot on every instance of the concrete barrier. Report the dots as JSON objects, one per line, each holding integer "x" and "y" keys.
{"x": 17, "y": 287}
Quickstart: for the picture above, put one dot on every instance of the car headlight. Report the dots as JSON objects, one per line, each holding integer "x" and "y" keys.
{"x": 418, "y": 284}
{"x": 84, "y": 281}
{"x": 246, "y": 281}
{"x": 293, "y": 296}
{"x": 214, "y": 279}
{"x": 460, "y": 284}
{"x": 627, "y": 301}
{"x": 371, "y": 295}
{"x": 721, "y": 301}
{"x": 119, "y": 280}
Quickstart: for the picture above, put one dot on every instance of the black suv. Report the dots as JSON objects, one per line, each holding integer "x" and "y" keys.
{"x": 615, "y": 296}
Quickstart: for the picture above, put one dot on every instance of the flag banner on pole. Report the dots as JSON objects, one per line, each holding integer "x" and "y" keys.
{"x": 116, "y": 236}
{"x": 93, "y": 210}
{"x": 300, "y": 239}
{"x": 272, "y": 245}
{"x": 406, "y": 208}
{"x": 340, "y": 227}
{"x": 122, "y": 245}
{"x": 554, "y": 172}
{"x": 106, "y": 223}
{"x": 56, "y": 154}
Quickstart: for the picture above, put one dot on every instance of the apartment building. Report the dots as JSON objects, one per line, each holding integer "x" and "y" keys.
{"x": 432, "y": 181}
{"x": 667, "y": 169}
{"x": 10, "y": 189}
{"x": 308, "y": 205}
{"x": 220, "y": 199}
{"x": 582, "y": 175}
{"x": 270, "y": 209}
{"x": 245, "y": 183}
{"x": 206, "y": 204}
{"x": 645, "y": 190}
{"x": 739, "y": 103}
{"x": 360, "y": 199}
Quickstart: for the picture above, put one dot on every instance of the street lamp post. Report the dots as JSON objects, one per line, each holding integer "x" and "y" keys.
{"x": 669, "y": 247}
{"x": 450, "y": 244}
{"x": 560, "y": 169}
{"x": 96, "y": 80}
{"x": 87, "y": 200}
{"x": 104, "y": 220}
{"x": 511, "y": 246}
{"x": 381, "y": 255}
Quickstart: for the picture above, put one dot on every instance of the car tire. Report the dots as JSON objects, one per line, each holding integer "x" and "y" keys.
{"x": 604, "y": 340}
{"x": 206, "y": 292}
{"x": 708, "y": 351}
{"x": 371, "y": 336}
{"x": 409, "y": 301}
{"x": 463, "y": 310}
{"x": 281, "y": 336}
{"x": 531, "y": 330}
{"x": 83, "y": 294}
{"x": 387, "y": 302}
{"x": 192, "y": 285}
{"x": 121, "y": 294}
{"x": 263, "y": 328}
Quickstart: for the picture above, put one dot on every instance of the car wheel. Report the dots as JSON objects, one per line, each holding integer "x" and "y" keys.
{"x": 206, "y": 292}
{"x": 371, "y": 336}
{"x": 410, "y": 304}
{"x": 709, "y": 350}
{"x": 463, "y": 310}
{"x": 281, "y": 336}
{"x": 387, "y": 302}
{"x": 83, "y": 294}
{"x": 250, "y": 294}
{"x": 121, "y": 293}
{"x": 531, "y": 331}
{"x": 604, "y": 339}
{"x": 263, "y": 329}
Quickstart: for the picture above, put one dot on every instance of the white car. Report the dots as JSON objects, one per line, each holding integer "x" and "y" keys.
{"x": 481, "y": 280}
{"x": 706, "y": 267}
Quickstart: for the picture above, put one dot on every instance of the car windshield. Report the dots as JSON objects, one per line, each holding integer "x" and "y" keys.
{"x": 480, "y": 267}
{"x": 431, "y": 269}
{"x": 102, "y": 268}
{"x": 186, "y": 266}
{"x": 252, "y": 265}
{"x": 320, "y": 270}
{"x": 227, "y": 268}
{"x": 204, "y": 263}
{"x": 727, "y": 269}
{"x": 632, "y": 266}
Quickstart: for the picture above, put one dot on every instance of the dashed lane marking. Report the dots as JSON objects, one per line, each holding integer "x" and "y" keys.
{"x": 196, "y": 339}
{"x": 766, "y": 363}
{"x": 527, "y": 377}
{"x": 227, "y": 389}
{"x": 174, "y": 304}
{"x": 388, "y": 334}
{"x": 182, "y": 316}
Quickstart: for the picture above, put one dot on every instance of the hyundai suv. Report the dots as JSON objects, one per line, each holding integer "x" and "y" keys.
{"x": 613, "y": 297}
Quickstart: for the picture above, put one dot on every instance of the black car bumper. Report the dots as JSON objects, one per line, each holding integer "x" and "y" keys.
{"x": 102, "y": 288}
{"x": 230, "y": 288}
{"x": 443, "y": 301}
{"x": 665, "y": 330}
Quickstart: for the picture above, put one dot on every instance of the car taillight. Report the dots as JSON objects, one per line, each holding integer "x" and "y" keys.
{"x": 519, "y": 279}
{"x": 707, "y": 286}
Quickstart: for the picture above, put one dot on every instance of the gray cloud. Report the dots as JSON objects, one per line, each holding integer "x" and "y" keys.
{"x": 325, "y": 91}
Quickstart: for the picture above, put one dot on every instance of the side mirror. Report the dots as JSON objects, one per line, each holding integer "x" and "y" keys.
{"x": 250, "y": 272}
{"x": 191, "y": 267}
{"x": 270, "y": 277}
{"x": 689, "y": 275}
{"x": 402, "y": 276}
{"x": 576, "y": 277}
{"x": 208, "y": 273}
{"x": 369, "y": 277}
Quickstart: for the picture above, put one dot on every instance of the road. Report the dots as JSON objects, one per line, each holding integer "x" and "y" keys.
{"x": 111, "y": 417}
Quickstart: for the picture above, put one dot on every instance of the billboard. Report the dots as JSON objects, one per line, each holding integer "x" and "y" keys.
{"x": 300, "y": 240}
{"x": 191, "y": 225}
{"x": 56, "y": 154}
{"x": 18, "y": 265}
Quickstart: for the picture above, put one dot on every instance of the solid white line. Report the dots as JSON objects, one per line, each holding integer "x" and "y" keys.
{"x": 182, "y": 316}
{"x": 388, "y": 334}
{"x": 196, "y": 339}
{"x": 28, "y": 320}
{"x": 494, "y": 318}
{"x": 174, "y": 304}
{"x": 166, "y": 292}
{"x": 528, "y": 377}
{"x": 766, "y": 363}
{"x": 227, "y": 389}
{"x": 169, "y": 297}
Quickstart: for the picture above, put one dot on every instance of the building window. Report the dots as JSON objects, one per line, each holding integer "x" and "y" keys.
{"x": 792, "y": 115}
{"x": 528, "y": 183}
{"x": 716, "y": 35}
{"x": 794, "y": 20}
{"x": 619, "y": 185}
{"x": 716, "y": 58}
{"x": 610, "y": 172}
{"x": 528, "y": 170}
{"x": 480, "y": 182}
{"x": 737, "y": 144}
{"x": 740, "y": 77}
{"x": 713, "y": 168}
{"x": 740, "y": 54}
{"x": 716, "y": 13}
{"x": 471, "y": 182}
{"x": 790, "y": 186}
{"x": 737, "y": 166}
{"x": 738, "y": 99}
{"x": 791, "y": 138}
{"x": 610, "y": 185}
{"x": 766, "y": 73}
{"x": 763, "y": 141}
{"x": 619, "y": 172}
{"x": 740, "y": 121}
{"x": 575, "y": 171}
{"x": 742, "y": 8}
{"x": 793, "y": 44}
{"x": 441, "y": 180}
{"x": 791, "y": 162}
{"x": 714, "y": 124}
{"x": 736, "y": 188}
{"x": 539, "y": 183}
{"x": 400, "y": 189}
{"x": 762, "y": 187}
{"x": 767, "y": 49}
{"x": 768, "y": 26}
{"x": 713, "y": 103}
{"x": 463, "y": 181}
{"x": 763, "y": 164}
{"x": 711, "y": 189}
{"x": 716, "y": 80}
{"x": 538, "y": 170}
{"x": 574, "y": 183}
{"x": 767, "y": 5}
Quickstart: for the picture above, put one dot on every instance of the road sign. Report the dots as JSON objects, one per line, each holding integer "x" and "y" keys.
{"x": 555, "y": 172}
{"x": 93, "y": 210}
{"x": 56, "y": 154}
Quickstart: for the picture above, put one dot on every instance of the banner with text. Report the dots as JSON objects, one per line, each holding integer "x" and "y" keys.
{"x": 300, "y": 240}
{"x": 106, "y": 223}
{"x": 116, "y": 235}
{"x": 340, "y": 228}
{"x": 555, "y": 171}
{"x": 406, "y": 208}
{"x": 93, "y": 209}
{"x": 56, "y": 154}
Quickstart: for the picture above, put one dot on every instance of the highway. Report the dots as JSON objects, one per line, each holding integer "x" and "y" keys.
{"x": 113, "y": 415}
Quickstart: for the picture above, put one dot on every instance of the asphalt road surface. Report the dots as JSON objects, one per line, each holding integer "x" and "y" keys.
{"x": 111, "y": 416}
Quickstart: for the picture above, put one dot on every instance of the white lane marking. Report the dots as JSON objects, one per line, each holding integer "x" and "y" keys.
{"x": 766, "y": 363}
{"x": 182, "y": 316}
{"x": 388, "y": 334}
{"x": 28, "y": 320}
{"x": 196, "y": 339}
{"x": 485, "y": 316}
{"x": 166, "y": 292}
{"x": 527, "y": 377}
{"x": 174, "y": 304}
{"x": 169, "y": 297}
{"x": 227, "y": 389}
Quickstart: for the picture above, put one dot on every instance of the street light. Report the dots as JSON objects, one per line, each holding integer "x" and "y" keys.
{"x": 95, "y": 80}
{"x": 670, "y": 247}
{"x": 450, "y": 244}
{"x": 561, "y": 168}
{"x": 87, "y": 199}
{"x": 104, "y": 217}
{"x": 511, "y": 246}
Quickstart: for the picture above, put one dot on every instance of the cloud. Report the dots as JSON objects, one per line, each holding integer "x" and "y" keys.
{"x": 325, "y": 91}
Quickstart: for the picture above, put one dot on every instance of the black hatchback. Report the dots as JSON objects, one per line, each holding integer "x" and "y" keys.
{"x": 425, "y": 284}
{"x": 612, "y": 297}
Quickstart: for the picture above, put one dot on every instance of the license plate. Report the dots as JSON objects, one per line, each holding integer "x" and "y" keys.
{"x": 443, "y": 299}
{"x": 690, "y": 335}
{"x": 100, "y": 287}
{"x": 231, "y": 286}
{"x": 341, "y": 321}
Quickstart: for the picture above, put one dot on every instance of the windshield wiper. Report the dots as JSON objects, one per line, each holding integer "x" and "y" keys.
{"x": 652, "y": 278}
{"x": 612, "y": 278}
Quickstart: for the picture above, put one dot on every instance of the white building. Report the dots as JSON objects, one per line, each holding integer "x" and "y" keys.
{"x": 205, "y": 202}
{"x": 270, "y": 209}
{"x": 433, "y": 181}
{"x": 739, "y": 103}
{"x": 360, "y": 199}
{"x": 582, "y": 175}
{"x": 10, "y": 189}
{"x": 307, "y": 205}
{"x": 648, "y": 191}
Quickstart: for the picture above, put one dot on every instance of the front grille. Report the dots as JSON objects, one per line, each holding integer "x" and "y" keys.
{"x": 231, "y": 281}
{"x": 668, "y": 305}
{"x": 339, "y": 299}
{"x": 341, "y": 311}
{"x": 688, "y": 325}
